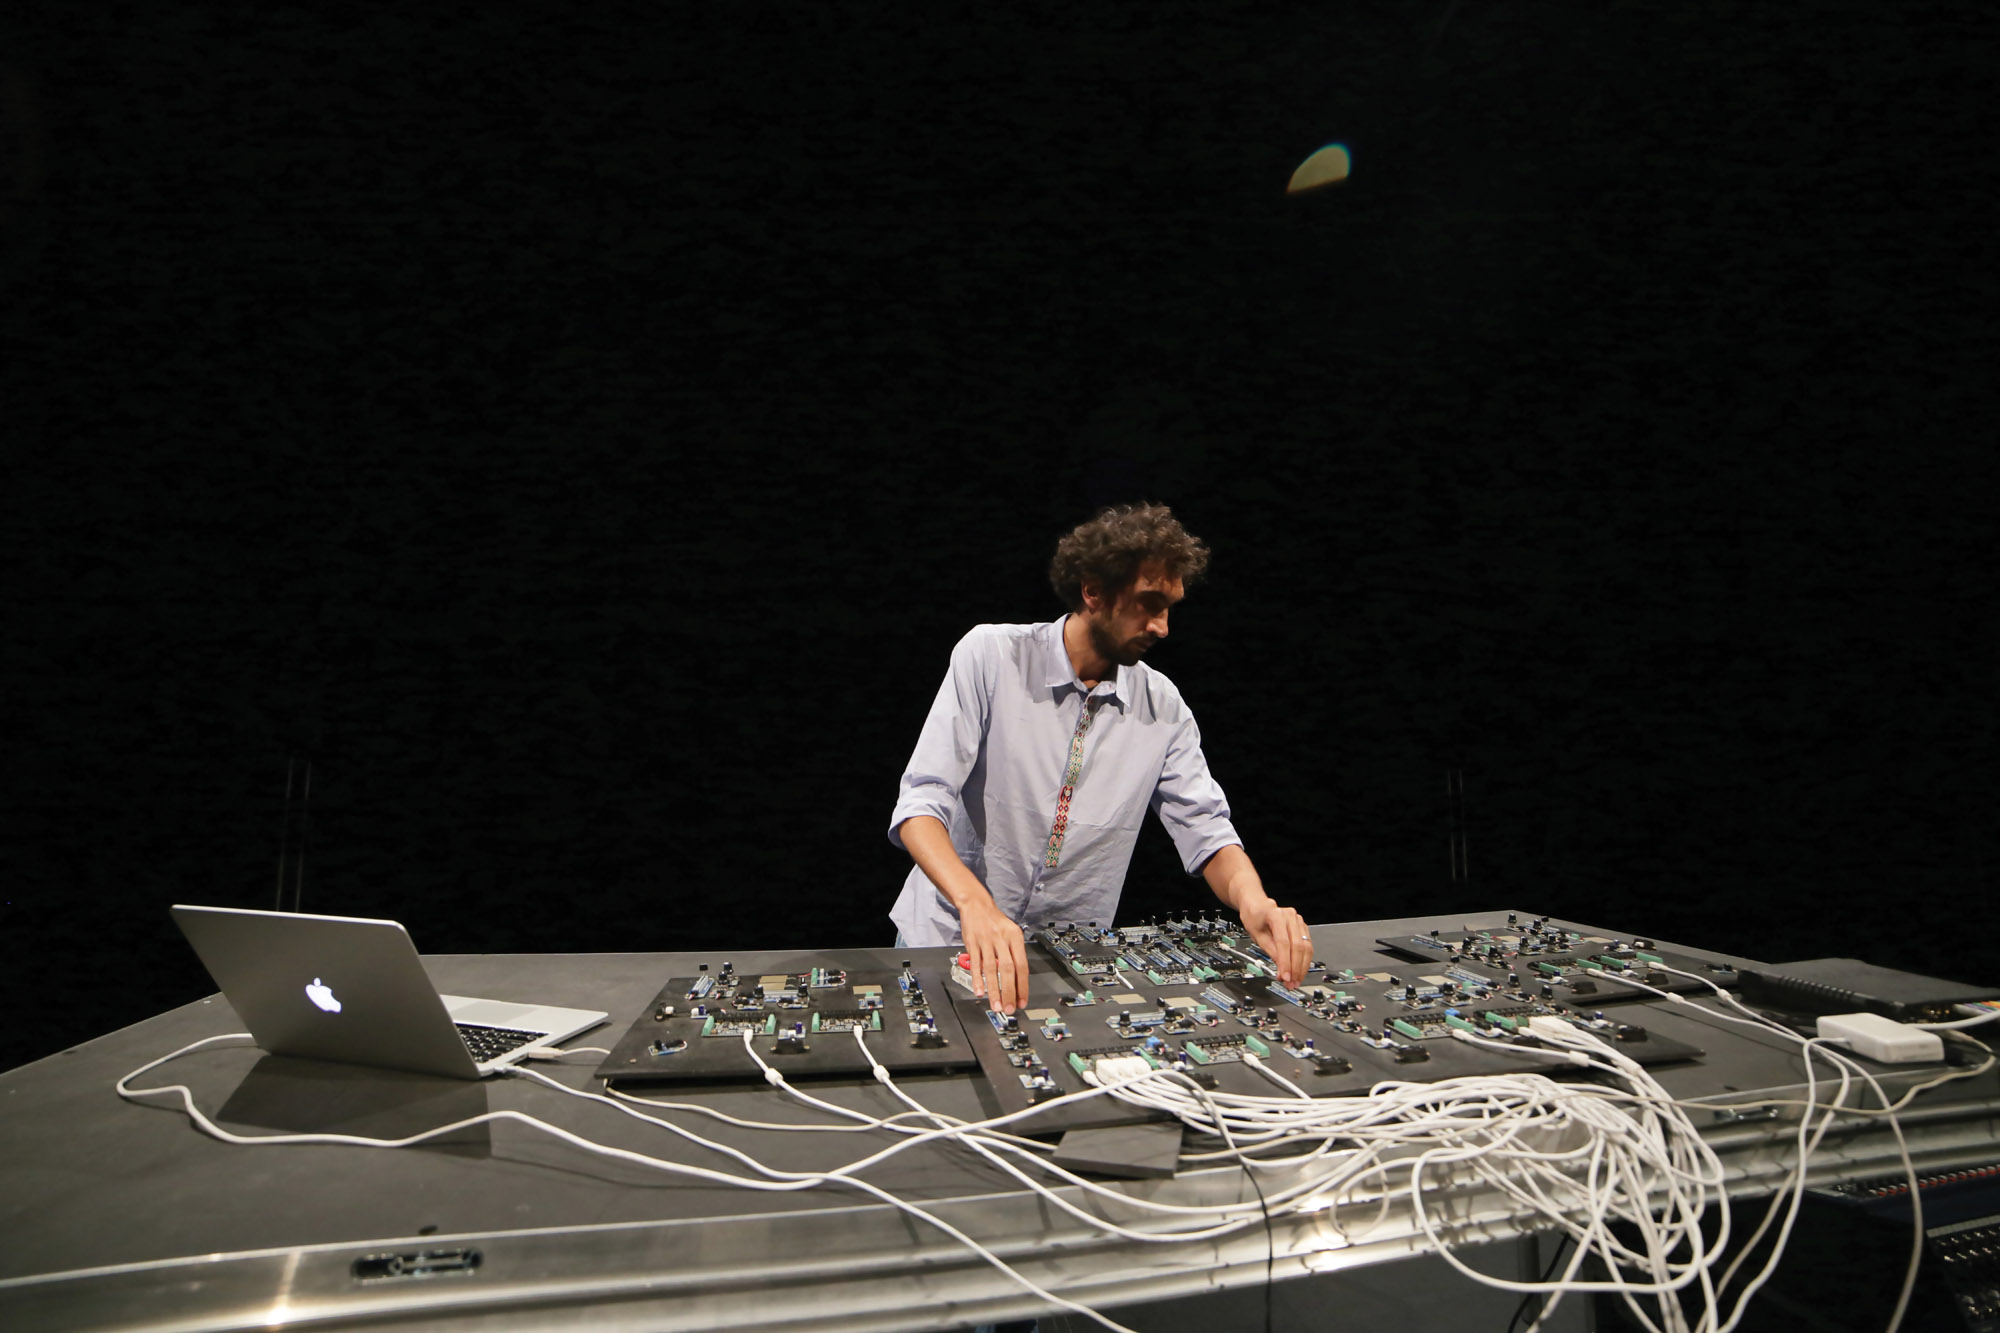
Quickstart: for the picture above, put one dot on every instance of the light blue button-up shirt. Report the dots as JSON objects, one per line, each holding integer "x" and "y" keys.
{"x": 989, "y": 765}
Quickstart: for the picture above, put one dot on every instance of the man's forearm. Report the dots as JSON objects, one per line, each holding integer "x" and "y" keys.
{"x": 929, "y": 844}
{"x": 1232, "y": 877}
{"x": 1280, "y": 931}
{"x": 994, "y": 950}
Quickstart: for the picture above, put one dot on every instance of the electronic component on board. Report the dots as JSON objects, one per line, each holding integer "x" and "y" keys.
{"x": 1223, "y": 1000}
{"x": 1264, "y": 1022}
{"x": 1173, "y": 1016}
{"x": 1166, "y": 964}
{"x": 1568, "y": 962}
{"x": 1008, "y": 1028}
{"x": 1228, "y": 1048}
{"x": 1323, "y": 1062}
{"x": 1404, "y": 1052}
{"x": 1604, "y": 1027}
{"x": 1185, "y": 1012}
{"x": 1083, "y": 953}
{"x": 724, "y": 1025}
{"x": 792, "y": 1041}
{"x": 1129, "y": 1024}
{"x": 781, "y": 991}
{"x": 1318, "y": 1000}
{"x": 789, "y": 1011}
{"x": 847, "y": 1020}
{"x": 1086, "y": 1062}
{"x": 961, "y": 972}
{"x": 1038, "y": 1085}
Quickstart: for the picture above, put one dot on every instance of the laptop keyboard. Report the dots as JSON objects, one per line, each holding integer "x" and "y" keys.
{"x": 487, "y": 1043}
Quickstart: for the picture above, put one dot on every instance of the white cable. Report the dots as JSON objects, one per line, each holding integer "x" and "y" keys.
{"x": 788, "y": 1181}
{"x": 1847, "y": 1067}
{"x": 558, "y": 1052}
{"x": 882, "y": 1076}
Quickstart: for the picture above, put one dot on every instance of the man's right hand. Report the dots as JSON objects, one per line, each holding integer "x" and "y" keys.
{"x": 998, "y": 956}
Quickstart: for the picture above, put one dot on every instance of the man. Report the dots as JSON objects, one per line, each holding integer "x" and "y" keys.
{"x": 1042, "y": 752}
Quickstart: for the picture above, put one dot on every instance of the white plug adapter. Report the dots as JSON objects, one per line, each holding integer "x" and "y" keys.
{"x": 1882, "y": 1039}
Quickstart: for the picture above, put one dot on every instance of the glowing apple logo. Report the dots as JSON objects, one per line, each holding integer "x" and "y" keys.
{"x": 322, "y": 996}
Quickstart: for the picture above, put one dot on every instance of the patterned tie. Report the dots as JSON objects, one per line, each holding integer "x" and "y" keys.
{"x": 1054, "y": 854}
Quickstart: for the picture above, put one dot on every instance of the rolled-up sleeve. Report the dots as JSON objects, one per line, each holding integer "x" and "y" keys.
{"x": 949, "y": 744}
{"x": 1190, "y": 802}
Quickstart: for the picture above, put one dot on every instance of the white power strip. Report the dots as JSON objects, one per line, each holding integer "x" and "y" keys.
{"x": 1882, "y": 1039}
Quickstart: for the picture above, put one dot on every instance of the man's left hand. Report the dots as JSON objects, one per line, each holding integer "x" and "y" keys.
{"x": 1282, "y": 933}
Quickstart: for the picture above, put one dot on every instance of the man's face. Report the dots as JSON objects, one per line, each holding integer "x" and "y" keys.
{"x": 1123, "y": 630}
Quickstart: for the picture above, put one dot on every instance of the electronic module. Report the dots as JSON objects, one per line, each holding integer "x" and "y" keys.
{"x": 1539, "y": 960}
{"x": 1192, "y": 993}
{"x": 1196, "y": 995}
{"x": 803, "y": 1022}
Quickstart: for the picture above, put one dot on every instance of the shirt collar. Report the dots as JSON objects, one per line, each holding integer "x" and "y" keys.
{"x": 1061, "y": 674}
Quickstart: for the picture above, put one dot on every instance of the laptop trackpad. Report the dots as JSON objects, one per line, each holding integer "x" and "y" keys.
{"x": 486, "y": 1013}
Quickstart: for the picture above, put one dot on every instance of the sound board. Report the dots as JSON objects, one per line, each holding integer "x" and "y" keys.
{"x": 1197, "y": 994}
{"x": 1538, "y": 960}
{"x": 1193, "y": 993}
{"x": 801, "y": 1023}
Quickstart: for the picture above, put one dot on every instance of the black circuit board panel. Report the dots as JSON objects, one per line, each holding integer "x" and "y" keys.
{"x": 1510, "y": 1023}
{"x": 802, "y": 1023}
{"x": 1535, "y": 959}
{"x": 1093, "y": 997}
{"x": 1180, "y": 951}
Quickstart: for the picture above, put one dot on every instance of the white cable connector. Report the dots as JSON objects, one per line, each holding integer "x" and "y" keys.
{"x": 1542, "y": 1025}
{"x": 1538, "y": 1052}
{"x": 1123, "y": 1068}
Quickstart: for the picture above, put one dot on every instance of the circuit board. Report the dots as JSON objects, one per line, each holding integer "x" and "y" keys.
{"x": 1189, "y": 993}
{"x": 1187, "y": 950}
{"x": 802, "y": 1023}
{"x": 1406, "y": 1014}
{"x": 1509, "y": 1023}
{"x": 1093, "y": 997}
{"x": 1539, "y": 960}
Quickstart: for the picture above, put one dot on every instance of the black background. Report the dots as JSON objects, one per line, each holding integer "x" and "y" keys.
{"x": 584, "y": 438}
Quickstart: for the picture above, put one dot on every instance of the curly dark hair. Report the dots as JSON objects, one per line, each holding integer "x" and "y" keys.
{"x": 1109, "y": 549}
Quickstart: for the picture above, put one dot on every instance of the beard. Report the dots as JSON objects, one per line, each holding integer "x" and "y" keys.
{"x": 1123, "y": 654}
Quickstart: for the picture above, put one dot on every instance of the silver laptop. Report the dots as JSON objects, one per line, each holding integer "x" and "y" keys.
{"x": 353, "y": 989}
